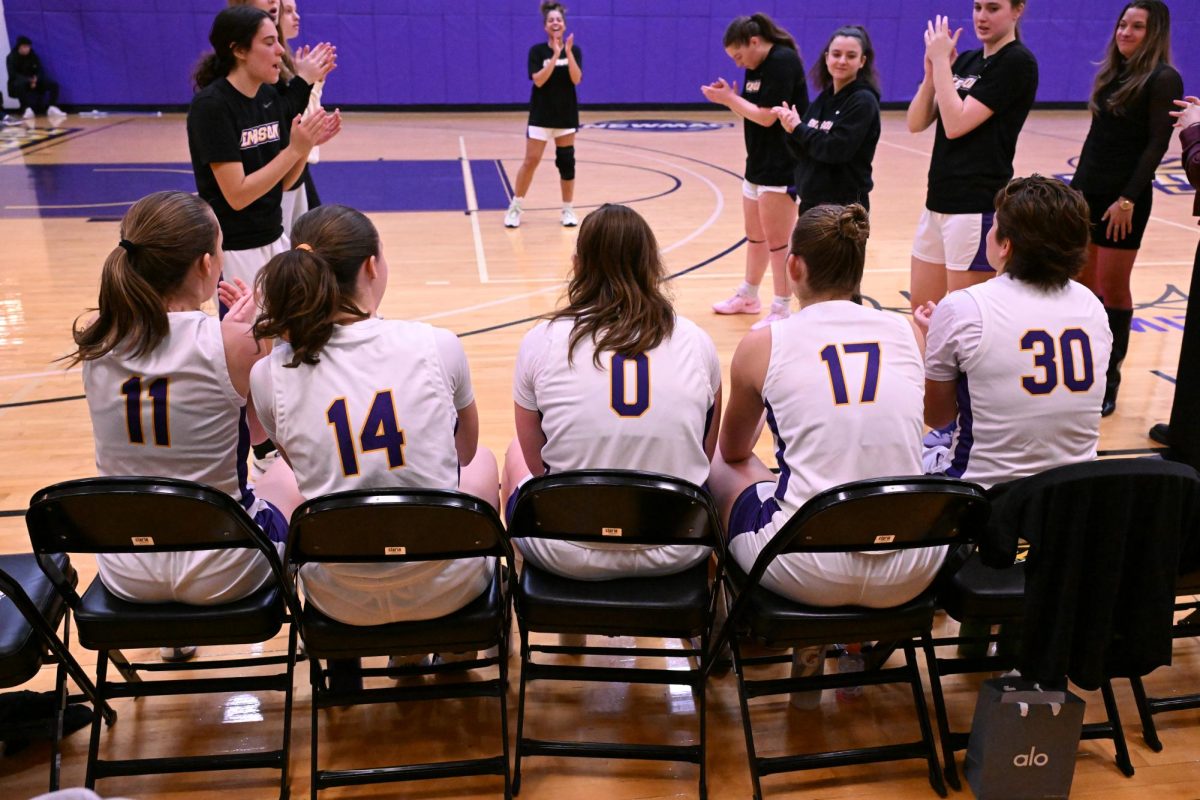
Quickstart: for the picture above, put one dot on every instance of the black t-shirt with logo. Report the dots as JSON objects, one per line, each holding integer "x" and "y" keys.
{"x": 224, "y": 125}
{"x": 553, "y": 104}
{"x": 965, "y": 173}
{"x": 780, "y": 77}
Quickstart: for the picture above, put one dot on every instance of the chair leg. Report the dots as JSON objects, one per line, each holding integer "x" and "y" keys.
{"x": 503, "y": 654}
{"x": 702, "y": 703}
{"x": 128, "y": 673}
{"x": 56, "y": 734}
{"x": 314, "y": 680}
{"x": 950, "y": 768}
{"x": 89, "y": 779}
{"x": 288, "y": 696}
{"x": 935, "y": 769}
{"x": 1118, "y": 733}
{"x": 1149, "y": 729}
{"x": 739, "y": 670}
{"x": 516, "y": 779}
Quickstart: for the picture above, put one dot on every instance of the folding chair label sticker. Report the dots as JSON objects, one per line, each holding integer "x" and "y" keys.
{"x": 611, "y": 531}
{"x": 142, "y": 541}
{"x": 885, "y": 539}
{"x": 395, "y": 551}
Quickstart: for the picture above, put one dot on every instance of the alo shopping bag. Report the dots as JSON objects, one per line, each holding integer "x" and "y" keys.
{"x": 1023, "y": 741}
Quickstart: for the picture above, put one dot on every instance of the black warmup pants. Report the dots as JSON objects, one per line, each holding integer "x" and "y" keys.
{"x": 1185, "y": 410}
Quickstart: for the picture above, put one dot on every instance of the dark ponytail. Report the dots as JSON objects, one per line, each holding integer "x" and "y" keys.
{"x": 234, "y": 28}
{"x": 832, "y": 240}
{"x": 162, "y": 237}
{"x": 760, "y": 25}
{"x": 305, "y": 291}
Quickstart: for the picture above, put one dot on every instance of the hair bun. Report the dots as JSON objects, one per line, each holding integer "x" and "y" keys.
{"x": 854, "y": 224}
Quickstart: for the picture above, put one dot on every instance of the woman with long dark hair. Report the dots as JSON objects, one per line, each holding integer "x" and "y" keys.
{"x": 1132, "y": 100}
{"x": 615, "y": 379}
{"x": 774, "y": 75}
{"x": 835, "y": 140}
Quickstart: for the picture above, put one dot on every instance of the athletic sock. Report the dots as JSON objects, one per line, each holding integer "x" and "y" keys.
{"x": 781, "y": 303}
{"x": 748, "y": 289}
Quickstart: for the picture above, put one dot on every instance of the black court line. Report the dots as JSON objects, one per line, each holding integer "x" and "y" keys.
{"x": 522, "y": 321}
{"x": 1162, "y": 375}
{"x": 677, "y": 184}
{"x": 43, "y": 402}
{"x": 12, "y": 512}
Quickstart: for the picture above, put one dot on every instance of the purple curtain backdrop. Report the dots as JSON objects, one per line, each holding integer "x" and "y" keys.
{"x": 421, "y": 52}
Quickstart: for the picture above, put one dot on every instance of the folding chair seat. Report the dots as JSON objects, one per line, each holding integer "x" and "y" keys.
{"x": 593, "y": 506}
{"x": 981, "y": 596}
{"x": 28, "y": 621}
{"x": 156, "y": 515}
{"x": 1188, "y": 627}
{"x": 871, "y": 515}
{"x": 394, "y": 527}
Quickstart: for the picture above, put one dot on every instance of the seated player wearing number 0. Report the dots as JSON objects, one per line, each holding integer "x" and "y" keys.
{"x": 842, "y": 386}
{"x": 355, "y": 401}
{"x": 1020, "y": 360}
{"x": 614, "y": 380}
{"x": 166, "y": 389}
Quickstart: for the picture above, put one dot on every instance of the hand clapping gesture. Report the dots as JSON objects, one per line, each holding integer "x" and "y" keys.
{"x": 788, "y": 117}
{"x": 940, "y": 44}
{"x": 720, "y": 91}
{"x": 1189, "y": 114}
{"x": 314, "y": 63}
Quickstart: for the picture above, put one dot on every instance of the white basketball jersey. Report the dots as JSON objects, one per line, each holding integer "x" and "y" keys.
{"x": 1029, "y": 398}
{"x": 845, "y": 395}
{"x": 173, "y": 413}
{"x": 648, "y": 413}
{"x": 377, "y": 411}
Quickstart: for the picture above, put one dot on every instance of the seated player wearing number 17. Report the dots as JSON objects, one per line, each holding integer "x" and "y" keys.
{"x": 1020, "y": 360}
{"x": 614, "y": 380}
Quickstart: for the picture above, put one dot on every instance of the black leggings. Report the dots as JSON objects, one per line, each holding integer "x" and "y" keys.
{"x": 39, "y": 98}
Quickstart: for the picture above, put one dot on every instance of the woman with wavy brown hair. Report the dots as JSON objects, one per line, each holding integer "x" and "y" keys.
{"x": 614, "y": 379}
{"x": 1132, "y": 100}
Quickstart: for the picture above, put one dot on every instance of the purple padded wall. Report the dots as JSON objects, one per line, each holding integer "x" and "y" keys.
{"x": 419, "y": 52}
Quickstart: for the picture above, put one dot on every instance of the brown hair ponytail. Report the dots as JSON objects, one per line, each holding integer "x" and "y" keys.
{"x": 305, "y": 291}
{"x": 760, "y": 25}
{"x": 832, "y": 240}
{"x": 162, "y": 237}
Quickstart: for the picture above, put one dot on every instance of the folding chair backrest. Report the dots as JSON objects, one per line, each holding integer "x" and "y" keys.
{"x": 394, "y": 525}
{"x": 885, "y": 514}
{"x": 128, "y": 514}
{"x": 616, "y": 506}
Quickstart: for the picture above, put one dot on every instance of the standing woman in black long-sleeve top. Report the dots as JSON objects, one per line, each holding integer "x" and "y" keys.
{"x": 835, "y": 141}
{"x": 1131, "y": 104}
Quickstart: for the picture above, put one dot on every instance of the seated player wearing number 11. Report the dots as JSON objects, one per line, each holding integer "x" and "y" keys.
{"x": 1020, "y": 360}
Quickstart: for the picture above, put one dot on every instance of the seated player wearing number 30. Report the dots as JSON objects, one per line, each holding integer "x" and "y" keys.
{"x": 615, "y": 380}
{"x": 1020, "y": 360}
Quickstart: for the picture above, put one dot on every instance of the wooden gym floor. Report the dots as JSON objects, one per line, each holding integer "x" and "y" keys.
{"x": 59, "y": 204}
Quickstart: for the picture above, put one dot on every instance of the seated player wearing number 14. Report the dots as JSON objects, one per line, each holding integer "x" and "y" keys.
{"x": 355, "y": 401}
{"x": 1020, "y": 360}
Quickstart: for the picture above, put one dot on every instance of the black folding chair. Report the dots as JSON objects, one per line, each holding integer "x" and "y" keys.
{"x": 28, "y": 621}
{"x": 991, "y": 602}
{"x": 394, "y": 527}
{"x": 593, "y": 506}
{"x": 147, "y": 515}
{"x": 878, "y": 514}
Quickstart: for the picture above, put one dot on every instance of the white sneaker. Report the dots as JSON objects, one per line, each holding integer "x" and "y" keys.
{"x": 569, "y": 220}
{"x": 174, "y": 655}
{"x": 9, "y": 119}
{"x": 513, "y": 218}
{"x": 55, "y": 111}
{"x": 28, "y": 113}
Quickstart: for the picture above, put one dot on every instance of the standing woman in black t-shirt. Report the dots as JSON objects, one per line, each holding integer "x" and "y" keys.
{"x": 1131, "y": 104}
{"x": 555, "y": 68}
{"x": 979, "y": 100}
{"x": 835, "y": 141}
{"x": 246, "y": 143}
{"x": 774, "y": 76}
